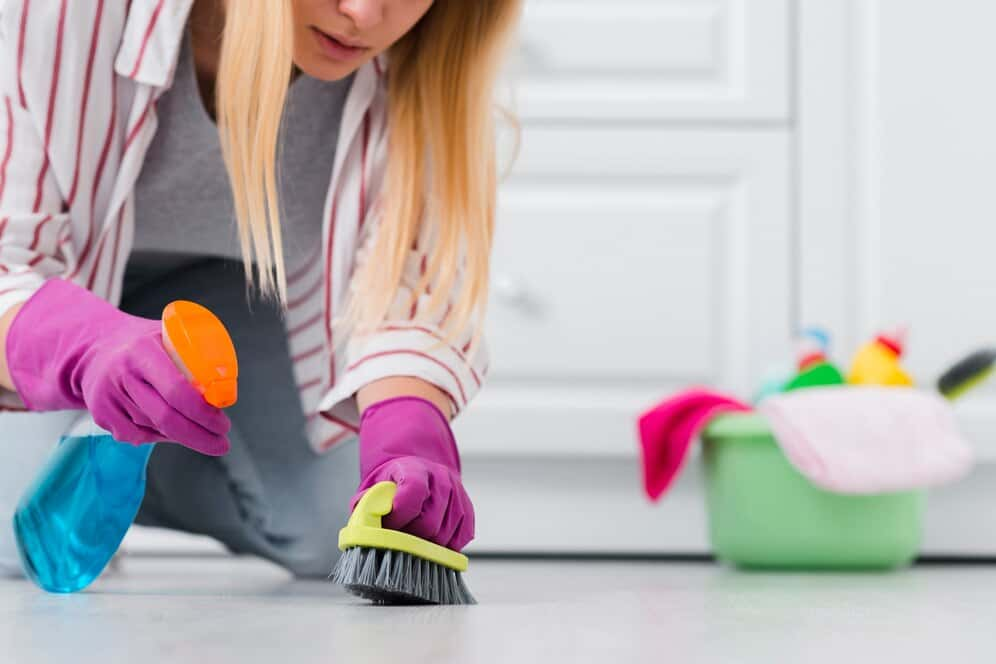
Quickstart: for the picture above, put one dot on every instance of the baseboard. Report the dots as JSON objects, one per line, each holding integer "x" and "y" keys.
{"x": 597, "y": 507}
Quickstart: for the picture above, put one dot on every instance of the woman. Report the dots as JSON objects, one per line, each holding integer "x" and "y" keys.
{"x": 342, "y": 154}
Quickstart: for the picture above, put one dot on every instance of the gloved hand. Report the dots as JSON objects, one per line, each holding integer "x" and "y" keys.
{"x": 69, "y": 350}
{"x": 406, "y": 440}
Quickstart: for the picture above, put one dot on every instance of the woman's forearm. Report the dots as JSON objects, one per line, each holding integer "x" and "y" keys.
{"x": 403, "y": 386}
{"x": 380, "y": 390}
{"x": 5, "y": 380}
{"x": 386, "y": 388}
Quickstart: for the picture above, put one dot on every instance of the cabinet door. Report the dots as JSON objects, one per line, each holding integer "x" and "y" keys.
{"x": 897, "y": 175}
{"x": 630, "y": 262}
{"x": 655, "y": 59}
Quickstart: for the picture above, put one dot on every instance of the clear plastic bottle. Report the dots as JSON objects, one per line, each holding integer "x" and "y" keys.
{"x": 71, "y": 521}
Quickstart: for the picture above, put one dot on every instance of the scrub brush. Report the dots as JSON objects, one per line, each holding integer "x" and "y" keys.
{"x": 392, "y": 567}
{"x": 968, "y": 373}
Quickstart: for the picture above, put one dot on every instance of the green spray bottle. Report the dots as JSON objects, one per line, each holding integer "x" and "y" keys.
{"x": 815, "y": 369}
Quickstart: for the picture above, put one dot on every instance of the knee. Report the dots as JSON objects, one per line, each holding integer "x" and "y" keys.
{"x": 314, "y": 554}
{"x": 311, "y": 559}
{"x": 325, "y": 509}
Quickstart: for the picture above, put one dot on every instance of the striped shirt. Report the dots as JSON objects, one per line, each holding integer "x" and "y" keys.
{"x": 79, "y": 83}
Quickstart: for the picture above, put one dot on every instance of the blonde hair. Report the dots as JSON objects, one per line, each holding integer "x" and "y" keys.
{"x": 257, "y": 57}
{"x": 441, "y": 167}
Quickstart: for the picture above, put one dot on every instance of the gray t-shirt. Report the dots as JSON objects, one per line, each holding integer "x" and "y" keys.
{"x": 183, "y": 199}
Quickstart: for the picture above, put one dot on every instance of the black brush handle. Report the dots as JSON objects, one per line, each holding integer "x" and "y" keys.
{"x": 965, "y": 370}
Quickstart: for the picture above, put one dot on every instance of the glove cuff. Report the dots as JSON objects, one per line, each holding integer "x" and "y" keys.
{"x": 407, "y": 426}
{"x": 45, "y": 343}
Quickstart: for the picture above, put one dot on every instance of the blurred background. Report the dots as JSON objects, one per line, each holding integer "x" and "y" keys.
{"x": 698, "y": 179}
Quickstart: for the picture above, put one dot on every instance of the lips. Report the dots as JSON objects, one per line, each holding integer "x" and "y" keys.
{"x": 338, "y": 48}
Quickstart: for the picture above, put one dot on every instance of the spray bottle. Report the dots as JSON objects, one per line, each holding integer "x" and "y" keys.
{"x": 71, "y": 520}
{"x": 815, "y": 369}
{"x": 878, "y": 361}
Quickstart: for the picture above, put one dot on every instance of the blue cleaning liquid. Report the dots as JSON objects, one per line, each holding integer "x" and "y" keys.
{"x": 71, "y": 521}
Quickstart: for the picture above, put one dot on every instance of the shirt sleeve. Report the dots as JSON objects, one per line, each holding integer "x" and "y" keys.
{"x": 33, "y": 224}
{"x": 33, "y": 217}
{"x": 413, "y": 341}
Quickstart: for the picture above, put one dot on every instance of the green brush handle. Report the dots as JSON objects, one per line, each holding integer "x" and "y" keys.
{"x": 365, "y": 529}
{"x": 374, "y": 505}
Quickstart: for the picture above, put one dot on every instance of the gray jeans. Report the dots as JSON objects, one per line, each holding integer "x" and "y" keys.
{"x": 271, "y": 496}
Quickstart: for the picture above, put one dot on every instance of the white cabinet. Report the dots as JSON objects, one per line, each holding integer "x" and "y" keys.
{"x": 645, "y": 242}
{"x": 699, "y": 178}
{"x": 645, "y": 254}
{"x": 629, "y": 262}
{"x": 644, "y": 237}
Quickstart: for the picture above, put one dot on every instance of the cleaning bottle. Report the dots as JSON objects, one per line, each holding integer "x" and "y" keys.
{"x": 773, "y": 381}
{"x": 878, "y": 361}
{"x": 815, "y": 369}
{"x": 71, "y": 520}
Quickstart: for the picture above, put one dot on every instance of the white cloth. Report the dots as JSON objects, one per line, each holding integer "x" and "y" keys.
{"x": 78, "y": 88}
{"x": 868, "y": 440}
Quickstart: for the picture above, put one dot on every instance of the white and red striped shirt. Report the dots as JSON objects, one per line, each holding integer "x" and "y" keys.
{"x": 78, "y": 88}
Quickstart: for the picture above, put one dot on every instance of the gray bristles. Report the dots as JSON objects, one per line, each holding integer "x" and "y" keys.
{"x": 395, "y": 577}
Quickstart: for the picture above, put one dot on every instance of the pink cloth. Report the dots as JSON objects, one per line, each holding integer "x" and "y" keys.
{"x": 668, "y": 430}
{"x": 866, "y": 440}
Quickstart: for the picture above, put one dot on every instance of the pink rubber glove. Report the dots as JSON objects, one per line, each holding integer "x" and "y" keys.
{"x": 407, "y": 441}
{"x": 69, "y": 350}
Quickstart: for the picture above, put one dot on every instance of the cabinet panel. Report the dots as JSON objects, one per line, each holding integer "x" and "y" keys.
{"x": 655, "y": 59}
{"x": 641, "y": 254}
{"x": 628, "y": 263}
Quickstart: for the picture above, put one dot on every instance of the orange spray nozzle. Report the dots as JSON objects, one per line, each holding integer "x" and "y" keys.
{"x": 202, "y": 348}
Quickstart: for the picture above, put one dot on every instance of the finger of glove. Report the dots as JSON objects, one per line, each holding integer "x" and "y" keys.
{"x": 429, "y": 522}
{"x": 114, "y": 417}
{"x": 464, "y": 533}
{"x": 410, "y": 498}
{"x": 173, "y": 424}
{"x": 159, "y": 371}
{"x": 452, "y": 520}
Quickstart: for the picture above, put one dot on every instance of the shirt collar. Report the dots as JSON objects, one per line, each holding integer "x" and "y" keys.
{"x": 151, "y": 41}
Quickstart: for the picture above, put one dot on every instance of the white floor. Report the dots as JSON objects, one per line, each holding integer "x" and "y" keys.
{"x": 218, "y": 610}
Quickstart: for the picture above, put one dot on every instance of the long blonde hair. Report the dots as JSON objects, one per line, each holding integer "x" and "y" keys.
{"x": 442, "y": 163}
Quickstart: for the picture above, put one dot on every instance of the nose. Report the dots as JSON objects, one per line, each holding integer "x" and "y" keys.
{"x": 365, "y": 14}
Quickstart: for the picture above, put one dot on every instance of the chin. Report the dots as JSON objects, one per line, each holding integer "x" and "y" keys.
{"x": 318, "y": 66}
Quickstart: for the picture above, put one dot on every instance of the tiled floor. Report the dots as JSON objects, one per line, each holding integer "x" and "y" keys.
{"x": 218, "y": 610}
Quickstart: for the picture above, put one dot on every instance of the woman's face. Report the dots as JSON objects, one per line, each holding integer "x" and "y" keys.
{"x": 333, "y": 38}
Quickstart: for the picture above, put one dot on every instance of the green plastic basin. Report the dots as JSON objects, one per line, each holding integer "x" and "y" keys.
{"x": 764, "y": 514}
